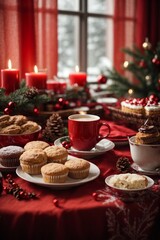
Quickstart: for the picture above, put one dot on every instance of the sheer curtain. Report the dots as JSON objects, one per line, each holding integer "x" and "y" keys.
{"x": 134, "y": 20}
{"x": 28, "y": 35}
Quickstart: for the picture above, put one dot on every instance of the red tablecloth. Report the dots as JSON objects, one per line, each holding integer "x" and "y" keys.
{"x": 89, "y": 211}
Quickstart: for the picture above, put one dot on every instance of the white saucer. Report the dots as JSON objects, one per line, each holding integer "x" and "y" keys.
{"x": 147, "y": 172}
{"x": 7, "y": 169}
{"x": 150, "y": 184}
{"x": 84, "y": 154}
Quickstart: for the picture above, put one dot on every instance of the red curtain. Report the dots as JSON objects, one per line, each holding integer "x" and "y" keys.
{"x": 28, "y": 35}
{"x": 133, "y": 22}
{"x": 147, "y": 25}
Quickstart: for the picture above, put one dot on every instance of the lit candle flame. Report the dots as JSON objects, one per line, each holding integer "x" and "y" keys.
{"x": 77, "y": 68}
{"x": 35, "y": 69}
{"x": 9, "y": 64}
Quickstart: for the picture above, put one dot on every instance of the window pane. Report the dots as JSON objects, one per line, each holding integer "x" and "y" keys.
{"x": 68, "y": 5}
{"x": 101, "y": 6}
{"x": 68, "y": 40}
{"x": 100, "y": 44}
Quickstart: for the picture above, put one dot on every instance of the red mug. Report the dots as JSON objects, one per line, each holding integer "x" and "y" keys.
{"x": 84, "y": 131}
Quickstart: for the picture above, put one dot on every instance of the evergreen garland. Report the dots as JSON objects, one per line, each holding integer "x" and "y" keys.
{"x": 22, "y": 101}
{"x": 145, "y": 68}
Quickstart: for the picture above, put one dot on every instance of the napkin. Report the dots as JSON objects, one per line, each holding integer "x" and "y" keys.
{"x": 103, "y": 145}
{"x": 119, "y": 132}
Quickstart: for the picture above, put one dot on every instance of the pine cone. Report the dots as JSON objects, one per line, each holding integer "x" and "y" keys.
{"x": 31, "y": 93}
{"x": 123, "y": 164}
{"x": 54, "y": 128}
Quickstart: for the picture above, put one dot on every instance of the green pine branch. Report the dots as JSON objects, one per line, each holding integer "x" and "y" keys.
{"x": 22, "y": 103}
{"x": 144, "y": 70}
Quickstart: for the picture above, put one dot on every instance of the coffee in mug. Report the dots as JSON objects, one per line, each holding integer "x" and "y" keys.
{"x": 84, "y": 131}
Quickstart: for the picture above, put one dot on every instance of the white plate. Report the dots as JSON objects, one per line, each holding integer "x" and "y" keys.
{"x": 84, "y": 154}
{"x": 147, "y": 172}
{"x": 150, "y": 184}
{"x": 7, "y": 169}
{"x": 70, "y": 182}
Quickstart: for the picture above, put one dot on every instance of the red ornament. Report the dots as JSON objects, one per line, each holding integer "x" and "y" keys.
{"x": 7, "y": 111}
{"x": 36, "y": 110}
{"x": 95, "y": 195}
{"x": 66, "y": 104}
{"x": 57, "y": 107}
{"x": 142, "y": 64}
{"x": 61, "y": 100}
{"x": 102, "y": 79}
{"x": 11, "y": 105}
{"x": 56, "y": 202}
{"x": 156, "y": 60}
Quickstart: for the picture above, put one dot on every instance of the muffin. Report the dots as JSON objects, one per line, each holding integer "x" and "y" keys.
{"x": 32, "y": 160}
{"x": 36, "y": 144}
{"x": 54, "y": 173}
{"x": 56, "y": 154}
{"x": 128, "y": 181}
{"x": 9, "y": 156}
{"x": 147, "y": 134}
{"x": 78, "y": 168}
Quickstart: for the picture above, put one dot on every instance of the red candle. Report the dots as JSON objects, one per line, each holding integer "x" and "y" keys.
{"x": 79, "y": 78}
{"x": 57, "y": 86}
{"x": 9, "y": 78}
{"x": 62, "y": 86}
{"x": 36, "y": 79}
{"x": 53, "y": 85}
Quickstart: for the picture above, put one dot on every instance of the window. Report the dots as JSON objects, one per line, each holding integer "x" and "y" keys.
{"x": 85, "y": 36}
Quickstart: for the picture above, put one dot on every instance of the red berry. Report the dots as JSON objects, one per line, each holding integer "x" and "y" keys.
{"x": 67, "y": 146}
{"x": 64, "y": 143}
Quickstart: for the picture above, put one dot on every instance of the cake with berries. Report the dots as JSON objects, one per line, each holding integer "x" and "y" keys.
{"x": 133, "y": 106}
{"x": 149, "y": 106}
{"x": 147, "y": 134}
{"x": 152, "y": 107}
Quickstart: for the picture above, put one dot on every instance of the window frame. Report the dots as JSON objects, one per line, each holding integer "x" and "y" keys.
{"x": 83, "y": 15}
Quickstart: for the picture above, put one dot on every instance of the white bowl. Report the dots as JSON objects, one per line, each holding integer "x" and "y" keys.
{"x": 146, "y": 156}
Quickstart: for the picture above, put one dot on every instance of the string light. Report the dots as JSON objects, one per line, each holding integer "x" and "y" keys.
{"x": 125, "y": 64}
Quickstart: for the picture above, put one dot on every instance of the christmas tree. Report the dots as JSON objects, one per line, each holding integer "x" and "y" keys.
{"x": 144, "y": 69}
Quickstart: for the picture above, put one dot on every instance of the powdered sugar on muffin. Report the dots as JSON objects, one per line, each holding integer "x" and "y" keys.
{"x": 9, "y": 156}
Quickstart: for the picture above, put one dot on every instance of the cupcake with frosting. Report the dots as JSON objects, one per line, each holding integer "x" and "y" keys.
{"x": 147, "y": 134}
